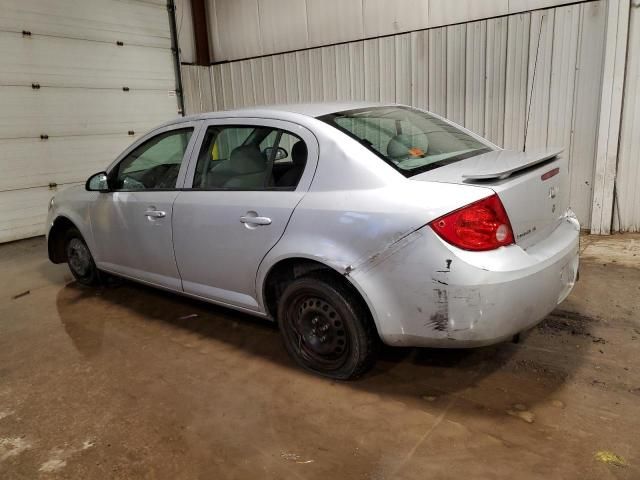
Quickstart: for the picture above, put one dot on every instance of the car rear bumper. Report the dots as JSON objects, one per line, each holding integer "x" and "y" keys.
{"x": 468, "y": 299}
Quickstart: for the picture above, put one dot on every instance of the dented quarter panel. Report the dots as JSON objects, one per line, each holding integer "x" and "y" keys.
{"x": 357, "y": 221}
{"x": 436, "y": 295}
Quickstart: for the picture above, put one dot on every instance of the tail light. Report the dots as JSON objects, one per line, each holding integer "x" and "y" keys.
{"x": 482, "y": 225}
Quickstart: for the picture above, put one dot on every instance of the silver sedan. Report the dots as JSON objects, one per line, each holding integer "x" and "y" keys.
{"x": 348, "y": 224}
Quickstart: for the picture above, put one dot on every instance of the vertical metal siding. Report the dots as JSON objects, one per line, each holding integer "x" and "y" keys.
{"x": 237, "y": 82}
{"x": 227, "y": 86}
{"x": 438, "y": 70}
{"x": 403, "y": 69}
{"x": 279, "y": 79}
{"x": 627, "y": 199}
{"x": 247, "y": 83}
{"x": 515, "y": 108}
{"x": 387, "y": 49}
{"x": 257, "y": 80}
{"x": 539, "y": 82}
{"x": 191, "y": 89}
{"x": 330, "y": 89}
{"x": 304, "y": 73}
{"x": 292, "y": 78}
{"x": 588, "y": 86}
{"x": 563, "y": 76}
{"x": 456, "y": 68}
{"x": 479, "y": 74}
{"x": 315, "y": 72}
{"x": 420, "y": 69}
{"x": 343, "y": 72}
{"x": 269, "y": 80}
{"x": 475, "y": 82}
{"x": 371, "y": 69}
{"x": 496, "y": 73}
{"x": 356, "y": 67}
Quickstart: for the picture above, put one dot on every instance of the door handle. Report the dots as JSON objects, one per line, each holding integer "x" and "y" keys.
{"x": 255, "y": 220}
{"x": 155, "y": 214}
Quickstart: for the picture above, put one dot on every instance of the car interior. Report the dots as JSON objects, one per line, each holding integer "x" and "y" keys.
{"x": 230, "y": 158}
{"x": 251, "y": 161}
{"x": 154, "y": 164}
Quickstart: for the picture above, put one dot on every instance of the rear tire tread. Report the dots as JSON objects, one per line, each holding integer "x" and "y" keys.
{"x": 368, "y": 341}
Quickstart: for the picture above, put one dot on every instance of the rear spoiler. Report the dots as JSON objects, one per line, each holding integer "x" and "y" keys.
{"x": 501, "y": 164}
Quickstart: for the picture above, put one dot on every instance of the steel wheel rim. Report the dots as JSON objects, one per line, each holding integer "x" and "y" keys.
{"x": 319, "y": 332}
{"x": 78, "y": 257}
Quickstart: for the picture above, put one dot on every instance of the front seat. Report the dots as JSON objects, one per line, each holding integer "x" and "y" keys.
{"x": 291, "y": 177}
{"x": 247, "y": 167}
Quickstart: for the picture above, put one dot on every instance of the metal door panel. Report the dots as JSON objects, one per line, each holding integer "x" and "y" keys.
{"x": 217, "y": 254}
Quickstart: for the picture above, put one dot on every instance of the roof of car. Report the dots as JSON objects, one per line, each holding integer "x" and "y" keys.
{"x": 307, "y": 109}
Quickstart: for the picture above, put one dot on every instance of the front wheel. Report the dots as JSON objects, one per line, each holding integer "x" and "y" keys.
{"x": 79, "y": 259}
{"x": 327, "y": 328}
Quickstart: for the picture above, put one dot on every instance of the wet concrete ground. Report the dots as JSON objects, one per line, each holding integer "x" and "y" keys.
{"x": 130, "y": 382}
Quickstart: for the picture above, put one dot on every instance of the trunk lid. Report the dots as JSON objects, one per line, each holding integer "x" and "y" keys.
{"x": 533, "y": 187}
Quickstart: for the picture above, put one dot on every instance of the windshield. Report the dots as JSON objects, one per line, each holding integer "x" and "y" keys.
{"x": 410, "y": 140}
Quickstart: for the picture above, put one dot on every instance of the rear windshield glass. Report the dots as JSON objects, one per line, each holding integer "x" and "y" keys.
{"x": 410, "y": 140}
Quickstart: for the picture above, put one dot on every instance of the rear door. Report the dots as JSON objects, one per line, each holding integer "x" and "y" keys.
{"x": 234, "y": 207}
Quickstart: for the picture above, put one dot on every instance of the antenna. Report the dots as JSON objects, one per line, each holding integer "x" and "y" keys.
{"x": 533, "y": 84}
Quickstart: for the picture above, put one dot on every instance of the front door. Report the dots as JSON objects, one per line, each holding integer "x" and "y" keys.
{"x": 132, "y": 222}
{"x": 245, "y": 183}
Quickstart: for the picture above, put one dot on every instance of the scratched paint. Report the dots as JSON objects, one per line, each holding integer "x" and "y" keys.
{"x": 439, "y": 320}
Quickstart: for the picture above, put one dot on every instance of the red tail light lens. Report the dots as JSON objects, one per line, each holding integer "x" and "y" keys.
{"x": 482, "y": 225}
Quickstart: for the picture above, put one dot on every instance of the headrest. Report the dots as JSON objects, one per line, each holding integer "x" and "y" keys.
{"x": 247, "y": 159}
{"x": 398, "y": 147}
{"x": 299, "y": 153}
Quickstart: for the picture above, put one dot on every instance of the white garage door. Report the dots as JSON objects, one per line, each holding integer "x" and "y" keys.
{"x": 79, "y": 81}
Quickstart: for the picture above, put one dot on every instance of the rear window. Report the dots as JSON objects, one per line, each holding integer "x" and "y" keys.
{"x": 410, "y": 140}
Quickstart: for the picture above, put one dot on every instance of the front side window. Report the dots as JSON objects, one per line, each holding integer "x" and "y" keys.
{"x": 410, "y": 140}
{"x": 154, "y": 165}
{"x": 249, "y": 158}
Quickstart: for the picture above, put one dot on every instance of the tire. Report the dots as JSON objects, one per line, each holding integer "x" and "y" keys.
{"x": 327, "y": 328}
{"x": 79, "y": 259}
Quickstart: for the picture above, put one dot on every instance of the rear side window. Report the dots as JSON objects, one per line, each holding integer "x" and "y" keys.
{"x": 410, "y": 140}
{"x": 249, "y": 158}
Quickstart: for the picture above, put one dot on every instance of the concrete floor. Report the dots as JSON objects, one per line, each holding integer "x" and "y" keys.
{"x": 128, "y": 382}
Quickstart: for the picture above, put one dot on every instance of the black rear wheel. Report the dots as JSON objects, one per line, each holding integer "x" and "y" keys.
{"x": 79, "y": 258}
{"x": 326, "y": 327}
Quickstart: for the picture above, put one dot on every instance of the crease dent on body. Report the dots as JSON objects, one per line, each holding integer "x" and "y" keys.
{"x": 385, "y": 252}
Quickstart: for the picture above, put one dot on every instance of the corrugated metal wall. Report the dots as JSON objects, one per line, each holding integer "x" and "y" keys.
{"x": 247, "y": 28}
{"x": 627, "y": 192}
{"x": 482, "y": 74}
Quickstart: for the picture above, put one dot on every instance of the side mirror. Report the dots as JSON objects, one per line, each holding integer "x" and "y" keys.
{"x": 97, "y": 183}
{"x": 280, "y": 153}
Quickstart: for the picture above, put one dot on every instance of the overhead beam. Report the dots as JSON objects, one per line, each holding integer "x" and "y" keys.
{"x": 200, "y": 32}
